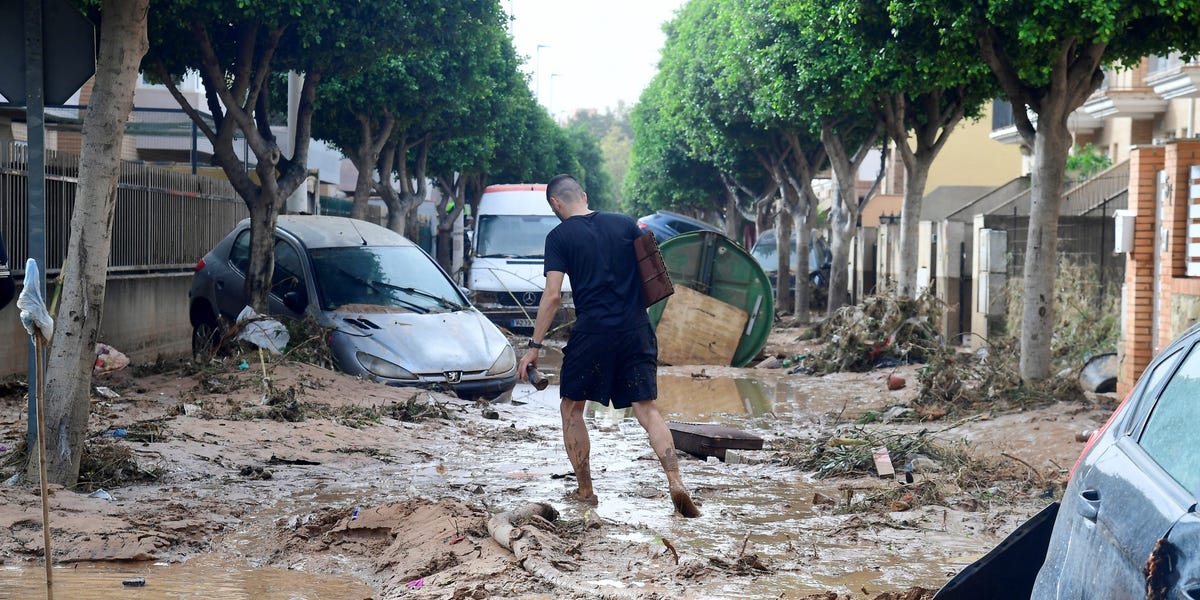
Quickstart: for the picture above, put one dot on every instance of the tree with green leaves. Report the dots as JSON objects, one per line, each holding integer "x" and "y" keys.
{"x": 805, "y": 84}
{"x": 236, "y": 47}
{"x": 913, "y": 78}
{"x": 436, "y": 96}
{"x": 591, "y": 175}
{"x": 85, "y": 269}
{"x": 663, "y": 173}
{"x": 1048, "y": 57}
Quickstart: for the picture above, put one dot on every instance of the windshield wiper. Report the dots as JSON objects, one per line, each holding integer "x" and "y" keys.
{"x": 443, "y": 302}
{"x": 376, "y": 285}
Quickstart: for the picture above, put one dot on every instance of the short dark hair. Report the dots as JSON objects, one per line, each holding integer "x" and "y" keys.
{"x": 564, "y": 187}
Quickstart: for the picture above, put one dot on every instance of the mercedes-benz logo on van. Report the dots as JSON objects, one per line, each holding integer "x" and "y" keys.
{"x": 453, "y": 376}
{"x": 529, "y": 299}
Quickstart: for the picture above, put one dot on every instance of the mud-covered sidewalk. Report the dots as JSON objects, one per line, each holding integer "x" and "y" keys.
{"x": 208, "y": 481}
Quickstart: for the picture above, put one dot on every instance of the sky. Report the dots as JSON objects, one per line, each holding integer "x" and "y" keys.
{"x": 596, "y": 52}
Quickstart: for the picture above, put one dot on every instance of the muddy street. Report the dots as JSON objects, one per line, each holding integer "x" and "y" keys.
{"x": 331, "y": 487}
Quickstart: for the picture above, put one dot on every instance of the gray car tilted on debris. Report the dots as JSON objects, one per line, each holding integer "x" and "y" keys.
{"x": 394, "y": 315}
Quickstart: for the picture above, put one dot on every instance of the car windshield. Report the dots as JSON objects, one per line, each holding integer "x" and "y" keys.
{"x": 767, "y": 255}
{"x": 513, "y": 236}
{"x": 382, "y": 278}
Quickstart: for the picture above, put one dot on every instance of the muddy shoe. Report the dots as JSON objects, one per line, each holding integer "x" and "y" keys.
{"x": 683, "y": 504}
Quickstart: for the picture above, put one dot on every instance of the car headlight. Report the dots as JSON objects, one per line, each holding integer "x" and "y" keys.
{"x": 506, "y": 362}
{"x": 383, "y": 368}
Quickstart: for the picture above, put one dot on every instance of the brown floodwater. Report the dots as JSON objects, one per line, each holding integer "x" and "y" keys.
{"x": 764, "y": 509}
{"x": 198, "y": 579}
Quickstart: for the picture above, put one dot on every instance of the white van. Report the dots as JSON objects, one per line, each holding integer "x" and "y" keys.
{"x": 507, "y": 276}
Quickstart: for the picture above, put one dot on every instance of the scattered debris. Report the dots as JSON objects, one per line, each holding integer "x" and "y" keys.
{"x": 706, "y": 440}
{"x": 109, "y": 359}
{"x": 883, "y": 463}
{"x": 107, "y": 392}
{"x": 107, "y": 463}
{"x": 881, "y": 330}
{"x": 101, "y": 494}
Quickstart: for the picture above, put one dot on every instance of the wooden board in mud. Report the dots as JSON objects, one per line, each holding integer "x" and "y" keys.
{"x": 704, "y": 440}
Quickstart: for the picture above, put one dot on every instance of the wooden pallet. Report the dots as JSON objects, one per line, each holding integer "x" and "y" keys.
{"x": 704, "y": 439}
{"x": 696, "y": 329}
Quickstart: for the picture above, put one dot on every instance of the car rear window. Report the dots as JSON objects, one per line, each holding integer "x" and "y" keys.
{"x": 1171, "y": 435}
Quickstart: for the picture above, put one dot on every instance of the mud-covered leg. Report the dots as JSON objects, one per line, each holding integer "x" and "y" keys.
{"x": 579, "y": 446}
{"x": 664, "y": 447}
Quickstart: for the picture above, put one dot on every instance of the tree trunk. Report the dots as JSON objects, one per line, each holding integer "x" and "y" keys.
{"x": 264, "y": 215}
{"x": 915, "y": 179}
{"x": 783, "y": 272}
{"x": 363, "y": 184}
{"x": 841, "y": 226}
{"x": 366, "y": 159}
{"x": 733, "y": 216}
{"x": 803, "y": 221}
{"x": 1050, "y": 150}
{"x": 843, "y": 217}
{"x": 72, "y": 357}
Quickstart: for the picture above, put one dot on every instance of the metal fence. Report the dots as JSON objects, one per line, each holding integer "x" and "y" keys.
{"x": 165, "y": 219}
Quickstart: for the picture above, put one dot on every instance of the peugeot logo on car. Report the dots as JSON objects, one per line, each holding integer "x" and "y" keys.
{"x": 529, "y": 299}
{"x": 453, "y": 376}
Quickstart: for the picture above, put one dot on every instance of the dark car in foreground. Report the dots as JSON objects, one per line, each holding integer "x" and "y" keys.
{"x": 665, "y": 225}
{"x": 394, "y": 315}
{"x": 1127, "y": 526}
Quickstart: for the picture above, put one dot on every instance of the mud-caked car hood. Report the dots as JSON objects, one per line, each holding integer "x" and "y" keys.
{"x": 421, "y": 343}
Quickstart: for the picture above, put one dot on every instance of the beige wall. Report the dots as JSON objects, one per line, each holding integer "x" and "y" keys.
{"x": 1115, "y": 138}
{"x": 970, "y": 157}
{"x": 1175, "y": 123}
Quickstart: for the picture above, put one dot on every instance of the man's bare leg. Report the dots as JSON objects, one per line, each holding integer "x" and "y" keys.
{"x": 664, "y": 447}
{"x": 579, "y": 446}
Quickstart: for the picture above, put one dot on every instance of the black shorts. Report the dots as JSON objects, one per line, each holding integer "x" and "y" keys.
{"x": 614, "y": 368}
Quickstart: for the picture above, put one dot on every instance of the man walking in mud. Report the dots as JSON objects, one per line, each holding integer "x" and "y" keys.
{"x": 612, "y": 354}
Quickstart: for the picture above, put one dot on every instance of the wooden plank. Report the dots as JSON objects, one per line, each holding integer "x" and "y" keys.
{"x": 704, "y": 440}
{"x": 696, "y": 329}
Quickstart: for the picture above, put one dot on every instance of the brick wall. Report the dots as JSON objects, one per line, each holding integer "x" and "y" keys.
{"x": 1144, "y": 335}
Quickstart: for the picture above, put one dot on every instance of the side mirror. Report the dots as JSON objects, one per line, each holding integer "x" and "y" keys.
{"x": 468, "y": 292}
{"x": 296, "y": 302}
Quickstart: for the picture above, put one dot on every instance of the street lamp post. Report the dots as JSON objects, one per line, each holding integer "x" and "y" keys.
{"x": 537, "y": 85}
{"x": 551, "y": 103}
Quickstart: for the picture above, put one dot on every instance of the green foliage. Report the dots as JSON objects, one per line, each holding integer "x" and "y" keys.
{"x": 1087, "y": 160}
{"x": 1087, "y": 313}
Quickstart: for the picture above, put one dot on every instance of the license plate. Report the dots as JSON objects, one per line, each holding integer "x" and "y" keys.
{"x": 522, "y": 323}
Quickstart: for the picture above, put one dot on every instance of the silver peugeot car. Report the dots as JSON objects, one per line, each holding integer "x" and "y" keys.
{"x": 394, "y": 314}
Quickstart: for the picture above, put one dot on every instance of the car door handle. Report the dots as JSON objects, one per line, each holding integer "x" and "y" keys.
{"x": 1089, "y": 504}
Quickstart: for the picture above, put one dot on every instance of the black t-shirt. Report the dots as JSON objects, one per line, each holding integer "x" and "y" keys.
{"x": 596, "y": 251}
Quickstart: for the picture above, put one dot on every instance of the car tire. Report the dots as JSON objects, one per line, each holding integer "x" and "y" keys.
{"x": 206, "y": 337}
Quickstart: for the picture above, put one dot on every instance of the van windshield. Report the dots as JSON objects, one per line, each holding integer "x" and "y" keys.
{"x": 513, "y": 236}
